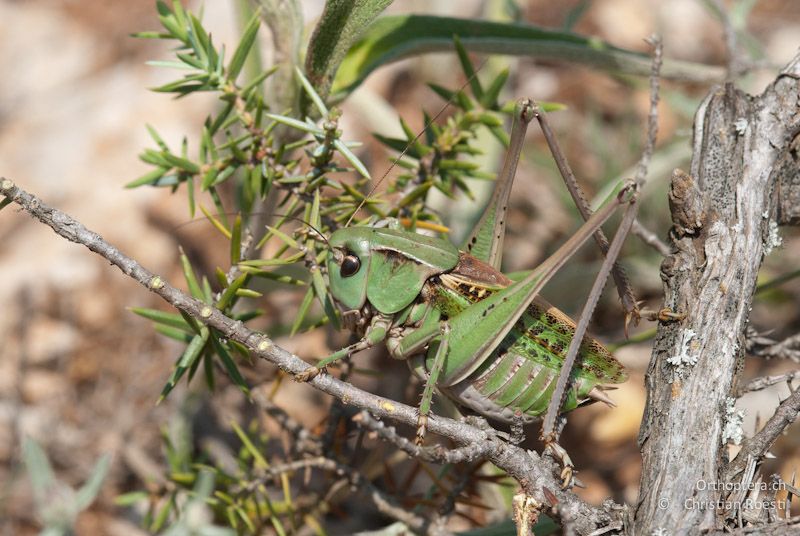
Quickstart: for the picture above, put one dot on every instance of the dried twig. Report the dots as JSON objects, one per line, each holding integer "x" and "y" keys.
{"x": 650, "y": 238}
{"x": 434, "y": 454}
{"x": 761, "y": 346}
{"x": 652, "y": 116}
{"x": 351, "y": 476}
{"x": 759, "y": 444}
{"x": 763, "y": 382}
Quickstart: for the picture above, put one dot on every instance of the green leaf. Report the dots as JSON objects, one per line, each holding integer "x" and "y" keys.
{"x": 230, "y": 365}
{"x": 294, "y": 123}
{"x": 39, "y": 469}
{"x": 129, "y": 499}
{"x": 191, "y": 279}
{"x": 151, "y": 177}
{"x": 187, "y": 360}
{"x": 215, "y": 222}
{"x": 467, "y": 67}
{"x": 248, "y": 293}
{"x": 392, "y": 38}
{"x": 261, "y": 462}
{"x": 230, "y": 292}
{"x": 286, "y": 239}
{"x": 321, "y": 290}
{"x": 302, "y": 311}
{"x": 341, "y": 23}
{"x": 91, "y": 488}
{"x": 273, "y": 262}
{"x": 181, "y": 163}
{"x": 175, "y": 334}
{"x": 397, "y": 144}
{"x": 490, "y": 96}
{"x": 159, "y": 141}
{"x": 245, "y": 44}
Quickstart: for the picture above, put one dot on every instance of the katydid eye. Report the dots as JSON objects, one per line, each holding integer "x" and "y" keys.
{"x": 350, "y": 265}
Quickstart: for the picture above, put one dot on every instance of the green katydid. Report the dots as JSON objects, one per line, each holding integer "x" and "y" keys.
{"x": 489, "y": 343}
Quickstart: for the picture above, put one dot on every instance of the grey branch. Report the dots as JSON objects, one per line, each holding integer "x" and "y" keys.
{"x": 534, "y": 474}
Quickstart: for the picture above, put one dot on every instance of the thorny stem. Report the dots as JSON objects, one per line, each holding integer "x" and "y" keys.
{"x": 532, "y": 472}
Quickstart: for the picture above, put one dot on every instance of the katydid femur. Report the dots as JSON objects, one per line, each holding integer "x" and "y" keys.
{"x": 489, "y": 343}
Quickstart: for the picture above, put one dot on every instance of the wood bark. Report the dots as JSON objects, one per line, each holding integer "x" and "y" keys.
{"x": 725, "y": 213}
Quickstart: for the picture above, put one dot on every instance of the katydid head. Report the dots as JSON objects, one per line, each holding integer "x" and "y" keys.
{"x": 348, "y": 263}
{"x": 384, "y": 266}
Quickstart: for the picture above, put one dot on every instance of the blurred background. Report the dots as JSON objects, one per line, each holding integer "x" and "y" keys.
{"x": 81, "y": 374}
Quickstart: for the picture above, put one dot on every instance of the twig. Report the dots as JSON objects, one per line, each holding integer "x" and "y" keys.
{"x": 650, "y": 238}
{"x": 759, "y": 444}
{"x": 449, "y": 505}
{"x": 303, "y": 441}
{"x": 761, "y": 346}
{"x": 434, "y": 454}
{"x": 736, "y": 66}
{"x": 533, "y": 473}
{"x": 763, "y": 382}
{"x": 652, "y": 116}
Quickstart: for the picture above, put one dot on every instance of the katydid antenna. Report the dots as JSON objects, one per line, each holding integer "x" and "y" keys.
{"x": 411, "y": 143}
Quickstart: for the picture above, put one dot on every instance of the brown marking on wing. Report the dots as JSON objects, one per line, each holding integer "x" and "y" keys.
{"x": 479, "y": 272}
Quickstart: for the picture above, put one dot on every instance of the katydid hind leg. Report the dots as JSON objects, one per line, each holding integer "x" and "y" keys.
{"x": 626, "y": 296}
{"x": 485, "y": 241}
{"x": 548, "y": 426}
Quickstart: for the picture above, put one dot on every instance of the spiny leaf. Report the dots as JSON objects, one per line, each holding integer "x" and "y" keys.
{"x": 352, "y": 158}
{"x": 164, "y": 318}
{"x": 294, "y": 123}
{"x": 302, "y": 311}
{"x": 469, "y": 70}
{"x": 188, "y": 359}
{"x": 230, "y": 365}
{"x": 245, "y": 44}
{"x": 236, "y": 240}
{"x": 311, "y": 92}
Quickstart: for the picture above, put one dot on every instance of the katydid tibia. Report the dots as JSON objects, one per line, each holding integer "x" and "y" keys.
{"x": 487, "y": 342}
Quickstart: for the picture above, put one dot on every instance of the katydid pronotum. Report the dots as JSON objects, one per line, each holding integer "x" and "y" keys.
{"x": 489, "y": 343}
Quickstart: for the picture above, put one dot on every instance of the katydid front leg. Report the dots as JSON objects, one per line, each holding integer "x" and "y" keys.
{"x": 375, "y": 333}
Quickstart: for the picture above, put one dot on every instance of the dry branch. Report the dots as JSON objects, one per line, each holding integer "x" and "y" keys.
{"x": 724, "y": 216}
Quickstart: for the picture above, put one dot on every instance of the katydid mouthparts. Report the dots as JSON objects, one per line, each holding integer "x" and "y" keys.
{"x": 489, "y": 343}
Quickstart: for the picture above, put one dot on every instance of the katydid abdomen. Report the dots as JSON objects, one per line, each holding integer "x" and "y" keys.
{"x": 518, "y": 378}
{"x": 409, "y": 286}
